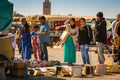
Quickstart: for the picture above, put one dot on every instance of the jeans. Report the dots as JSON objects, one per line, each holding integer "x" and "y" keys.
{"x": 44, "y": 52}
{"x": 101, "y": 57}
{"x": 84, "y": 51}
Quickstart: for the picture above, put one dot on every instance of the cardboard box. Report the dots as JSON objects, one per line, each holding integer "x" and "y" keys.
{"x": 77, "y": 71}
{"x": 101, "y": 69}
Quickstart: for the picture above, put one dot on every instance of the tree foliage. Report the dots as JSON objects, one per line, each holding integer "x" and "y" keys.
{"x": 69, "y": 14}
{"x": 15, "y": 14}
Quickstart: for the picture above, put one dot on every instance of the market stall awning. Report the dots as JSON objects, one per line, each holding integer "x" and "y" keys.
{"x": 6, "y": 14}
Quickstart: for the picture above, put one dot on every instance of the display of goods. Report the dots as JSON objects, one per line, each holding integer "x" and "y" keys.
{"x": 52, "y": 62}
{"x": 35, "y": 63}
{"x": 43, "y": 64}
{"x": 34, "y": 72}
{"x": 51, "y": 71}
{"x": 65, "y": 71}
{"x": 55, "y": 62}
{"x": 105, "y": 51}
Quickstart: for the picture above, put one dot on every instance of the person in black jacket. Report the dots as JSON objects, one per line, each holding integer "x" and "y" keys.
{"x": 84, "y": 39}
{"x": 100, "y": 36}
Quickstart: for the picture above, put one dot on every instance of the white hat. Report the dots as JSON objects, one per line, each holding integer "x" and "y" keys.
{"x": 12, "y": 27}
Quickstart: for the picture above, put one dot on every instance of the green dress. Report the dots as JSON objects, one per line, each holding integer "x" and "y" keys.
{"x": 69, "y": 51}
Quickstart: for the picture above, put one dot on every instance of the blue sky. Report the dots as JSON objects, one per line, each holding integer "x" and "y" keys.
{"x": 64, "y": 7}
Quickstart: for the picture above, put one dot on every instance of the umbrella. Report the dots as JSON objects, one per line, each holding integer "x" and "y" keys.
{"x": 6, "y": 14}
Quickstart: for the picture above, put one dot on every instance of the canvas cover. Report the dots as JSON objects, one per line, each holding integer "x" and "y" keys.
{"x": 6, "y": 14}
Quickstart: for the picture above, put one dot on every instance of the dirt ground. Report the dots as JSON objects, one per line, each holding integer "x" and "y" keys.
{"x": 57, "y": 54}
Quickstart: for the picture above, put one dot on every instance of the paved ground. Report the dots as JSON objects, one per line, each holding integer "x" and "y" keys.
{"x": 57, "y": 54}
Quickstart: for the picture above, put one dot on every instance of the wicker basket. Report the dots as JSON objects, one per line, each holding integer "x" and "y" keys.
{"x": 18, "y": 66}
{"x": 17, "y": 72}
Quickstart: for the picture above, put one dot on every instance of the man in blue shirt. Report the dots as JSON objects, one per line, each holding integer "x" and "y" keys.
{"x": 44, "y": 37}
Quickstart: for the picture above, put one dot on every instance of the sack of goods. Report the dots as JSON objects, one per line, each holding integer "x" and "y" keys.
{"x": 51, "y": 71}
{"x": 64, "y": 36}
{"x": 109, "y": 64}
{"x": 34, "y": 72}
{"x": 115, "y": 68}
{"x": 88, "y": 70}
{"x": 65, "y": 71}
{"x": 101, "y": 69}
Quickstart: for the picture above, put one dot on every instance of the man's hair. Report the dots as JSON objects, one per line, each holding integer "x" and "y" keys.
{"x": 99, "y": 14}
{"x": 72, "y": 19}
{"x": 23, "y": 20}
{"x": 35, "y": 26}
{"x": 82, "y": 19}
{"x": 42, "y": 17}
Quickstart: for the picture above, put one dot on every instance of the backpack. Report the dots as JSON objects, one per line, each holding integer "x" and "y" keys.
{"x": 90, "y": 34}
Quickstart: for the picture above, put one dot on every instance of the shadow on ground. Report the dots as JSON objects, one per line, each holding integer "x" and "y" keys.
{"x": 35, "y": 78}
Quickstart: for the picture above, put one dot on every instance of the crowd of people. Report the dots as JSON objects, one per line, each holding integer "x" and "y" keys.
{"x": 38, "y": 39}
{"x": 35, "y": 41}
{"x": 85, "y": 38}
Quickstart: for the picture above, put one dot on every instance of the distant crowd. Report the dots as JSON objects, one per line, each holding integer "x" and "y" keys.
{"x": 82, "y": 35}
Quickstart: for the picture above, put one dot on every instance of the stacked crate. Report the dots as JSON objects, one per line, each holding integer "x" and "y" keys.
{"x": 101, "y": 69}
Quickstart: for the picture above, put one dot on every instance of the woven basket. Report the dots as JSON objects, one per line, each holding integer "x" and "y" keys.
{"x": 18, "y": 66}
{"x": 17, "y": 72}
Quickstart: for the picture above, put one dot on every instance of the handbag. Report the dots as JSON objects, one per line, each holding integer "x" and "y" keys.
{"x": 64, "y": 36}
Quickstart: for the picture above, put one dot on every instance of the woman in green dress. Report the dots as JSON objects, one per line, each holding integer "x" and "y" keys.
{"x": 69, "y": 47}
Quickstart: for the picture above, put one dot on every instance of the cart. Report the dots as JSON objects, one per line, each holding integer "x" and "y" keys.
{"x": 6, "y": 54}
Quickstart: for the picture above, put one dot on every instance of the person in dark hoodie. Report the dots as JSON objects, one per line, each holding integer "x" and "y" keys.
{"x": 85, "y": 38}
{"x": 100, "y": 36}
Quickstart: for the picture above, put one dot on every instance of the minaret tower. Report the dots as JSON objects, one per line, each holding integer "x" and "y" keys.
{"x": 46, "y": 7}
